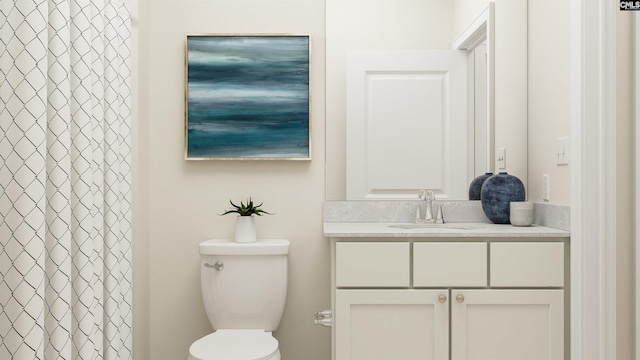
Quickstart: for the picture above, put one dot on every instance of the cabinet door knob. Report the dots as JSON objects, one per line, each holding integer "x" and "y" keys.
{"x": 460, "y": 298}
{"x": 442, "y": 298}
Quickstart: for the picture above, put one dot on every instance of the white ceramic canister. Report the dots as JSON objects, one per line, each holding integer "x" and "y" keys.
{"x": 521, "y": 213}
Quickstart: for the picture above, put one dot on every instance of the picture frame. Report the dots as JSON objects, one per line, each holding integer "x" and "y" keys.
{"x": 247, "y": 97}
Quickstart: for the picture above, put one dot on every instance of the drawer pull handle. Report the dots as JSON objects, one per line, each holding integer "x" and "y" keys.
{"x": 460, "y": 298}
{"x": 442, "y": 298}
{"x": 218, "y": 265}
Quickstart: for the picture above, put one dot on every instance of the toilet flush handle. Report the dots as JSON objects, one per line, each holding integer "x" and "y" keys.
{"x": 218, "y": 265}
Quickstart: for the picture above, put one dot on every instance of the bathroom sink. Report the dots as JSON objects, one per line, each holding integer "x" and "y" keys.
{"x": 437, "y": 226}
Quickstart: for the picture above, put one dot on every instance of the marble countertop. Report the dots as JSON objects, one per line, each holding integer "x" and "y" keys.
{"x": 457, "y": 230}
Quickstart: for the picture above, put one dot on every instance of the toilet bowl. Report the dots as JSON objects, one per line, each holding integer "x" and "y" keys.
{"x": 243, "y": 291}
{"x": 236, "y": 345}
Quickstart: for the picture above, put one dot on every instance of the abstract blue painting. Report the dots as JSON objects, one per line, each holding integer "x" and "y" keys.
{"x": 247, "y": 97}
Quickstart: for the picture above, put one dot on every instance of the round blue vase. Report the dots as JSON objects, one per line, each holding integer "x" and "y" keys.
{"x": 476, "y": 186}
{"x": 496, "y": 194}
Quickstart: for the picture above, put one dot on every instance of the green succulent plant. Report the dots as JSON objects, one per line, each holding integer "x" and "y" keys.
{"x": 247, "y": 209}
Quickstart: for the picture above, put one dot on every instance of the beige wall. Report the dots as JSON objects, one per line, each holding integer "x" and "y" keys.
{"x": 141, "y": 300}
{"x": 177, "y": 200}
{"x": 549, "y": 89}
{"x": 465, "y": 11}
{"x": 625, "y": 170}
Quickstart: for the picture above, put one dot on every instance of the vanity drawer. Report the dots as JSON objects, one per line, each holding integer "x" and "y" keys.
{"x": 372, "y": 264}
{"x": 449, "y": 264}
{"x": 527, "y": 264}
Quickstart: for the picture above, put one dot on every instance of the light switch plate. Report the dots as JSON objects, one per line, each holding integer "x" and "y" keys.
{"x": 501, "y": 158}
{"x": 545, "y": 187}
{"x": 562, "y": 151}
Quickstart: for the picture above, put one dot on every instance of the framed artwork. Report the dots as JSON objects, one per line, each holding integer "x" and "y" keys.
{"x": 247, "y": 97}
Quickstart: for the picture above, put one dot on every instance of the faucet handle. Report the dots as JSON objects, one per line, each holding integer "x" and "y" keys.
{"x": 430, "y": 195}
{"x": 418, "y": 219}
{"x": 422, "y": 195}
{"x": 439, "y": 218}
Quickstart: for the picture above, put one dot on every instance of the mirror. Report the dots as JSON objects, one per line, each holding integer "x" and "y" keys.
{"x": 356, "y": 25}
{"x": 478, "y": 40}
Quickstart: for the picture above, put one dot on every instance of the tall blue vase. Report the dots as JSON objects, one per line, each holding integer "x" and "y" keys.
{"x": 496, "y": 194}
{"x": 476, "y": 186}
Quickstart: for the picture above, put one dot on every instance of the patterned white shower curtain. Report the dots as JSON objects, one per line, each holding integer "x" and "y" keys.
{"x": 65, "y": 180}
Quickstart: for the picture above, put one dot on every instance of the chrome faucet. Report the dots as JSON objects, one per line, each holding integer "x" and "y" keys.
{"x": 428, "y": 215}
{"x": 428, "y": 196}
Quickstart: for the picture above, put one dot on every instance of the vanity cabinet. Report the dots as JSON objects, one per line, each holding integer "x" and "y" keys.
{"x": 441, "y": 300}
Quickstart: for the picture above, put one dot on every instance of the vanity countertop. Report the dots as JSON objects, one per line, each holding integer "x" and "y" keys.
{"x": 457, "y": 230}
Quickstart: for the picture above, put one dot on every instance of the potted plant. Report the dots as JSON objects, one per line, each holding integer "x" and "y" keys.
{"x": 245, "y": 225}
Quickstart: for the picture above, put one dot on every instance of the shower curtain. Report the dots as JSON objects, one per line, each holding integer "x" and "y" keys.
{"x": 65, "y": 180}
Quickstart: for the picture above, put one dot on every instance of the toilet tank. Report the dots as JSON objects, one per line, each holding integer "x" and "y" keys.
{"x": 248, "y": 286}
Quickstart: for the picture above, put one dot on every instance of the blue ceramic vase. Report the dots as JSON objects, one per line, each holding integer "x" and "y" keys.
{"x": 476, "y": 186}
{"x": 496, "y": 194}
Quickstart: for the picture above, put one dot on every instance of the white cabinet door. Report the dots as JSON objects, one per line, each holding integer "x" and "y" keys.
{"x": 391, "y": 325}
{"x": 407, "y": 124}
{"x": 507, "y": 324}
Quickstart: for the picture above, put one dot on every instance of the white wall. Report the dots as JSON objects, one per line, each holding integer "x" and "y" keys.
{"x": 178, "y": 200}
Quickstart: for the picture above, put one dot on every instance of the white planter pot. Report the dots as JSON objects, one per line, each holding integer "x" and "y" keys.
{"x": 246, "y": 229}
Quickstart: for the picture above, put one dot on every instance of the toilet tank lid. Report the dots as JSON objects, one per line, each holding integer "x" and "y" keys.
{"x": 230, "y": 247}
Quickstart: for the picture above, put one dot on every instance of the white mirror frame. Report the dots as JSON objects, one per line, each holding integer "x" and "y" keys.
{"x": 593, "y": 234}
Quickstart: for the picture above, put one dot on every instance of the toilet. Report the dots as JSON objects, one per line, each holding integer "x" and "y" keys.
{"x": 244, "y": 288}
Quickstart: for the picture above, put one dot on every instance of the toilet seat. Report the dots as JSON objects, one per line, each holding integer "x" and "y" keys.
{"x": 235, "y": 345}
